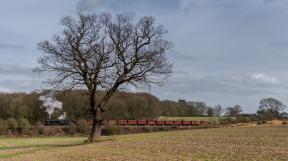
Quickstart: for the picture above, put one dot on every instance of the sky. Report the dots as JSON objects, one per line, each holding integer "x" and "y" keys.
{"x": 225, "y": 52}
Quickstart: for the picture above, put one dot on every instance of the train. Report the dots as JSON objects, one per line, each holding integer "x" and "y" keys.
{"x": 154, "y": 123}
{"x": 65, "y": 122}
{"x": 58, "y": 122}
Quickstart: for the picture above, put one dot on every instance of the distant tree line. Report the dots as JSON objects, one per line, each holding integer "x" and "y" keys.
{"x": 186, "y": 108}
{"x": 123, "y": 105}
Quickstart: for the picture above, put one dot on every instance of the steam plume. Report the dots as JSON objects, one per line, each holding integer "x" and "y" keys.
{"x": 50, "y": 103}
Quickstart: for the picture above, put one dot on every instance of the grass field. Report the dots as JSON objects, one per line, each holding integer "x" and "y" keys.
{"x": 239, "y": 143}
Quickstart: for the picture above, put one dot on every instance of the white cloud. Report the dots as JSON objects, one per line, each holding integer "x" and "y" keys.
{"x": 6, "y": 90}
{"x": 252, "y": 80}
{"x": 261, "y": 78}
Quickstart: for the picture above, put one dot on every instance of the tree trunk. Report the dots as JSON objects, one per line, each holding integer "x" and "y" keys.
{"x": 95, "y": 133}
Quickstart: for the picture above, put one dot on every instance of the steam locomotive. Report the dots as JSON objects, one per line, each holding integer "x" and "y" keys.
{"x": 59, "y": 122}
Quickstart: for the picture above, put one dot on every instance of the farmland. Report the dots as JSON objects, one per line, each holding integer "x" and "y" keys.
{"x": 238, "y": 143}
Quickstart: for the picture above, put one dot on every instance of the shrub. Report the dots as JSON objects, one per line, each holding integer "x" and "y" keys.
{"x": 23, "y": 125}
{"x": 41, "y": 130}
{"x": 213, "y": 122}
{"x": 83, "y": 126}
{"x": 261, "y": 122}
{"x": 71, "y": 130}
{"x": 38, "y": 124}
{"x": 226, "y": 120}
{"x": 113, "y": 130}
{"x": 12, "y": 123}
{"x": 265, "y": 116}
{"x": 242, "y": 120}
{"x": 3, "y": 127}
{"x": 149, "y": 129}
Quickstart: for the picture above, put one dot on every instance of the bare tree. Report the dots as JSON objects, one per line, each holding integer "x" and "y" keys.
{"x": 233, "y": 111}
{"x": 218, "y": 110}
{"x": 105, "y": 52}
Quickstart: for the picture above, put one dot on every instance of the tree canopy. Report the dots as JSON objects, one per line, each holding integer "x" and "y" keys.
{"x": 106, "y": 52}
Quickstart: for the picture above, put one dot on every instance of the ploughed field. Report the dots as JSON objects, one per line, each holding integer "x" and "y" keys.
{"x": 233, "y": 143}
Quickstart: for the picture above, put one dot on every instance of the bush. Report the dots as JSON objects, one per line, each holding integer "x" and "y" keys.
{"x": 71, "y": 130}
{"x": 213, "y": 122}
{"x": 41, "y": 130}
{"x": 242, "y": 120}
{"x": 38, "y": 124}
{"x": 265, "y": 116}
{"x": 261, "y": 122}
{"x": 12, "y": 123}
{"x": 83, "y": 126}
{"x": 226, "y": 120}
{"x": 3, "y": 127}
{"x": 23, "y": 126}
{"x": 148, "y": 129}
{"x": 113, "y": 130}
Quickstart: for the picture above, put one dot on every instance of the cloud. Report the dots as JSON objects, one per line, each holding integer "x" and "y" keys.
{"x": 177, "y": 55}
{"x": 11, "y": 46}
{"x": 252, "y": 80}
{"x": 187, "y": 6}
{"x": 225, "y": 89}
{"x": 87, "y": 5}
{"x": 129, "y": 6}
{"x": 261, "y": 78}
{"x": 236, "y": 85}
{"x": 7, "y": 90}
{"x": 16, "y": 70}
{"x": 19, "y": 85}
{"x": 280, "y": 44}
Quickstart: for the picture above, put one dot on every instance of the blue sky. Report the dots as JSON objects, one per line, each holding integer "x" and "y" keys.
{"x": 225, "y": 51}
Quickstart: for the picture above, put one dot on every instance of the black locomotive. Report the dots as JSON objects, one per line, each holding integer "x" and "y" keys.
{"x": 60, "y": 122}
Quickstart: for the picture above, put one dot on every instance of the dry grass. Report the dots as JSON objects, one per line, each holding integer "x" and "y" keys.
{"x": 246, "y": 143}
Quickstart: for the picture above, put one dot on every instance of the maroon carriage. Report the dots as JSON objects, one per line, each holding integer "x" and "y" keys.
{"x": 110, "y": 122}
{"x": 186, "y": 123}
{"x": 195, "y": 123}
{"x": 177, "y": 122}
{"x": 168, "y": 123}
{"x": 132, "y": 122}
{"x": 159, "y": 123}
{"x": 121, "y": 122}
{"x": 151, "y": 122}
{"x": 141, "y": 122}
{"x": 203, "y": 122}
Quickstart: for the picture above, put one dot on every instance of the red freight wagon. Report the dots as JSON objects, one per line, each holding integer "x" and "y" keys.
{"x": 159, "y": 122}
{"x": 177, "y": 122}
{"x": 151, "y": 122}
{"x": 121, "y": 122}
{"x": 186, "y": 122}
{"x": 203, "y": 122}
{"x": 195, "y": 122}
{"x": 132, "y": 122}
{"x": 111, "y": 122}
{"x": 141, "y": 122}
{"x": 168, "y": 122}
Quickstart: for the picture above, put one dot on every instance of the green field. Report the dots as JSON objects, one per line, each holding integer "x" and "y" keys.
{"x": 239, "y": 143}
